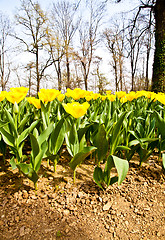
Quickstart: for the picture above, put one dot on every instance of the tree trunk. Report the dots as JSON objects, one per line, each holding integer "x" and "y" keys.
{"x": 147, "y": 67}
{"x": 67, "y": 71}
{"x": 2, "y": 67}
{"x": 37, "y": 71}
{"x": 158, "y": 79}
{"x": 59, "y": 76}
{"x": 132, "y": 75}
{"x": 30, "y": 82}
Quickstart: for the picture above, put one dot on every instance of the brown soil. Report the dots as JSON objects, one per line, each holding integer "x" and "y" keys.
{"x": 63, "y": 210}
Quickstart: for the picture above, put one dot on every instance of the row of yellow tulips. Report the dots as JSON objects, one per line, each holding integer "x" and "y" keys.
{"x": 47, "y": 95}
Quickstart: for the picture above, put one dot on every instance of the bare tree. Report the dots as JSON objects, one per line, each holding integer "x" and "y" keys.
{"x": 156, "y": 8}
{"x": 56, "y": 49}
{"x": 114, "y": 39}
{"x": 100, "y": 78}
{"x": 33, "y": 21}
{"x": 5, "y": 66}
{"x": 133, "y": 47}
{"x": 88, "y": 37}
{"x": 66, "y": 23}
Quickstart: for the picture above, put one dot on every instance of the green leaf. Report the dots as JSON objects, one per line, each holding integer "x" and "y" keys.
{"x": 73, "y": 136}
{"x": 109, "y": 165}
{"x": 116, "y": 132}
{"x": 160, "y": 122}
{"x": 26, "y": 132}
{"x": 100, "y": 141}
{"x": 68, "y": 146}
{"x": 11, "y": 121}
{"x": 163, "y": 160}
{"x": 35, "y": 147}
{"x": 79, "y": 157}
{"x": 135, "y": 135}
{"x": 44, "y": 113}
{"x": 83, "y": 130}
{"x": 23, "y": 122}
{"x": 122, "y": 167}
{"x": 130, "y": 154}
{"x": 28, "y": 171}
{"x": 98, "y": 176}
{"x": 113, "y": 180}
{"x": 45, "y": 134}
{"x": 7, "y": 137}
{"x": 3, "y": 146}
{"x": 72, "y": 140}
{"x": 57, "y": 136}
{"x": 38, "y": 158}
{"x": 141, "y": 141}
{"x": 13, "y": 163}
{"x": 121, "y": 148}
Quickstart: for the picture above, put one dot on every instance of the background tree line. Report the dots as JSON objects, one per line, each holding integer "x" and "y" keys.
{"x": 61, "y": 48}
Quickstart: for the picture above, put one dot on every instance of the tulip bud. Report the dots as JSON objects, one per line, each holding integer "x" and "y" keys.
{"x": 16, "y": 108}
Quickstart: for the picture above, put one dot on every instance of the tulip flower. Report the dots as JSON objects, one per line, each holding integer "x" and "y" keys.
{"x": 2, "y": 95}
{"x": 131, "y": 95}
{"x": 19, "y": 90}
{"x": 76, "y": 109}
{"x": 76, "y": 94}
{"x": 14, "y": 96}
{"x": 48, "y": 95}
{"x": 120, "y": 94}
{"x": 111, "y": 97}
{"x": 36, "y": 102}
{"x": 61, "y": 97}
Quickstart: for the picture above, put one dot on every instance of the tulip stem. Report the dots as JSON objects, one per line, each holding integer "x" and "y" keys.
{"x": 55, "y": 165}
{"x": 74, "y": 176}
{"x": 35, "y": 187}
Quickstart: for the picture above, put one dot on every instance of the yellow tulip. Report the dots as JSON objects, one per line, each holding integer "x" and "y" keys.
{"x": 19, "y": 90}
{"x": 2, "y": 95}
{"x": 160, "y": 97}
{"x": 120, "y": 94}
{"x": 131, "y": 95}
{"x": 108, "y": 92}
{"x": 96, "y": 95}
{"x": 36, "y": 102}
{"x": 61, "y": 97}
{"x": 76, "y": 94}
{"x": 76, "y": 109}
{"x": 123, "y": 100}
{"x": 14, "y": 96}
{"x": 88, "y": 97}
{"x": 48, "y": 95}
{"x": 111, "y": 97}
{"x": 103, "y": 97}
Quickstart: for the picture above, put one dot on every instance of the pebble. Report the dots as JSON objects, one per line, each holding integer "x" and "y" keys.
{"x": 1, "y": 222}
{"x": 107, "y": 206}
{"x": 34, "y": 197}
{"x": 100, "y": 199}
{"x": 50, "y": 178}
{"x": 83, "y": 201}
{"x": 66, "y": 212}
{"x": 126, "y": 223}
{"x": 22, "y": 231}
{"x": 25, "y": 194}
{"x": 66, "y": 230}
{"x": 80, "y": 195}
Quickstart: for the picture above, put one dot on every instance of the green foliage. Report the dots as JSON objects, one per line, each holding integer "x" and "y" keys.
{"x": 110, "y": 133}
